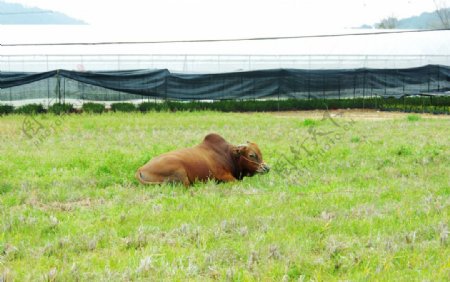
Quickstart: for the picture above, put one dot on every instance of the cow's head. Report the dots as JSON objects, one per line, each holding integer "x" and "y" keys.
{"x": 249, "y": 159}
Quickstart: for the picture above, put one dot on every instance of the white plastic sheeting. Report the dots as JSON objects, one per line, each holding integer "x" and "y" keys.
{"x": 402, "y": 50}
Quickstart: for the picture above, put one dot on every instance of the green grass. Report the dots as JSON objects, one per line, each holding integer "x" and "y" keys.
{"x": 413, "y": 118}
{"x": 362, "y": 200}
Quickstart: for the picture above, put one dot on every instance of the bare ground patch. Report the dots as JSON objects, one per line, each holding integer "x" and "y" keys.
{"x": 357, "y": 114}
{"x": 65, "y": 206}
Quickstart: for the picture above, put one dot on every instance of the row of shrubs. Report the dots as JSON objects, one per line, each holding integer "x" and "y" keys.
{"x": 57, "y": 108}
{"x": 439, "y": 105}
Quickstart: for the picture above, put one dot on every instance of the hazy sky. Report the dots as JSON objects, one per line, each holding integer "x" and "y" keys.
{"x": 225, "y": 18}
{"x": 153, "y": 20}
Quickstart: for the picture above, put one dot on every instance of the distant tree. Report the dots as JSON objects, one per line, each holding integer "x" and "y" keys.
{"x": 388, "y": 23}
{"x": 366, "y": 26}
{"x": 443, "y": 12}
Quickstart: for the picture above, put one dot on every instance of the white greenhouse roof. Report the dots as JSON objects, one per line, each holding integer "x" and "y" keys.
{"x": 385, "y": 50}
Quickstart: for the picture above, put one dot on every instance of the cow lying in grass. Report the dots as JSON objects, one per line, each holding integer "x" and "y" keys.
{"x": 214, "y": 159}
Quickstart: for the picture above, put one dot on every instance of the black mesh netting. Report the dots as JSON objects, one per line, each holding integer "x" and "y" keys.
{"x": 260, "y": 84}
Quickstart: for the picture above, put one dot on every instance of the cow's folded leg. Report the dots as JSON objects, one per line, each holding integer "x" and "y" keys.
{"x": 179, "y": 176}
{"x": 148, "y": 178}
{"x": 154, "y": 175}
{"x": 227, "y": 177}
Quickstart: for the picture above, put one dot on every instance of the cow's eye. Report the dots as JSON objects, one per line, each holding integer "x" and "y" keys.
{"x": 253, "y": 156}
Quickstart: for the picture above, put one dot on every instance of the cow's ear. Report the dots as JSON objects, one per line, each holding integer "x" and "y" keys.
{"x": 237, "y": 150}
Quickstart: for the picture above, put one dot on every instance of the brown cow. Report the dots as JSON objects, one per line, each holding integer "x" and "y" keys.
{"x": 214, "y": 158}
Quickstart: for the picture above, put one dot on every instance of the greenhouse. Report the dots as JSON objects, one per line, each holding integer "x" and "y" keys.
{"x": 343, "y": 64}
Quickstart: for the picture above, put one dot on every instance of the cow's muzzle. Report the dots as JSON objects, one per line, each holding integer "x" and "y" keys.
{"x": 263, "y": 168}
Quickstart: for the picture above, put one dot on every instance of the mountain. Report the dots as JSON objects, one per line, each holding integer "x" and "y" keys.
{"x": 425, "y": 20}
{"x": 16, "y": 14}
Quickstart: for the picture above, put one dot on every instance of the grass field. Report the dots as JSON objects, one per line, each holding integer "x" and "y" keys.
{"x": 348, "y": 198}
